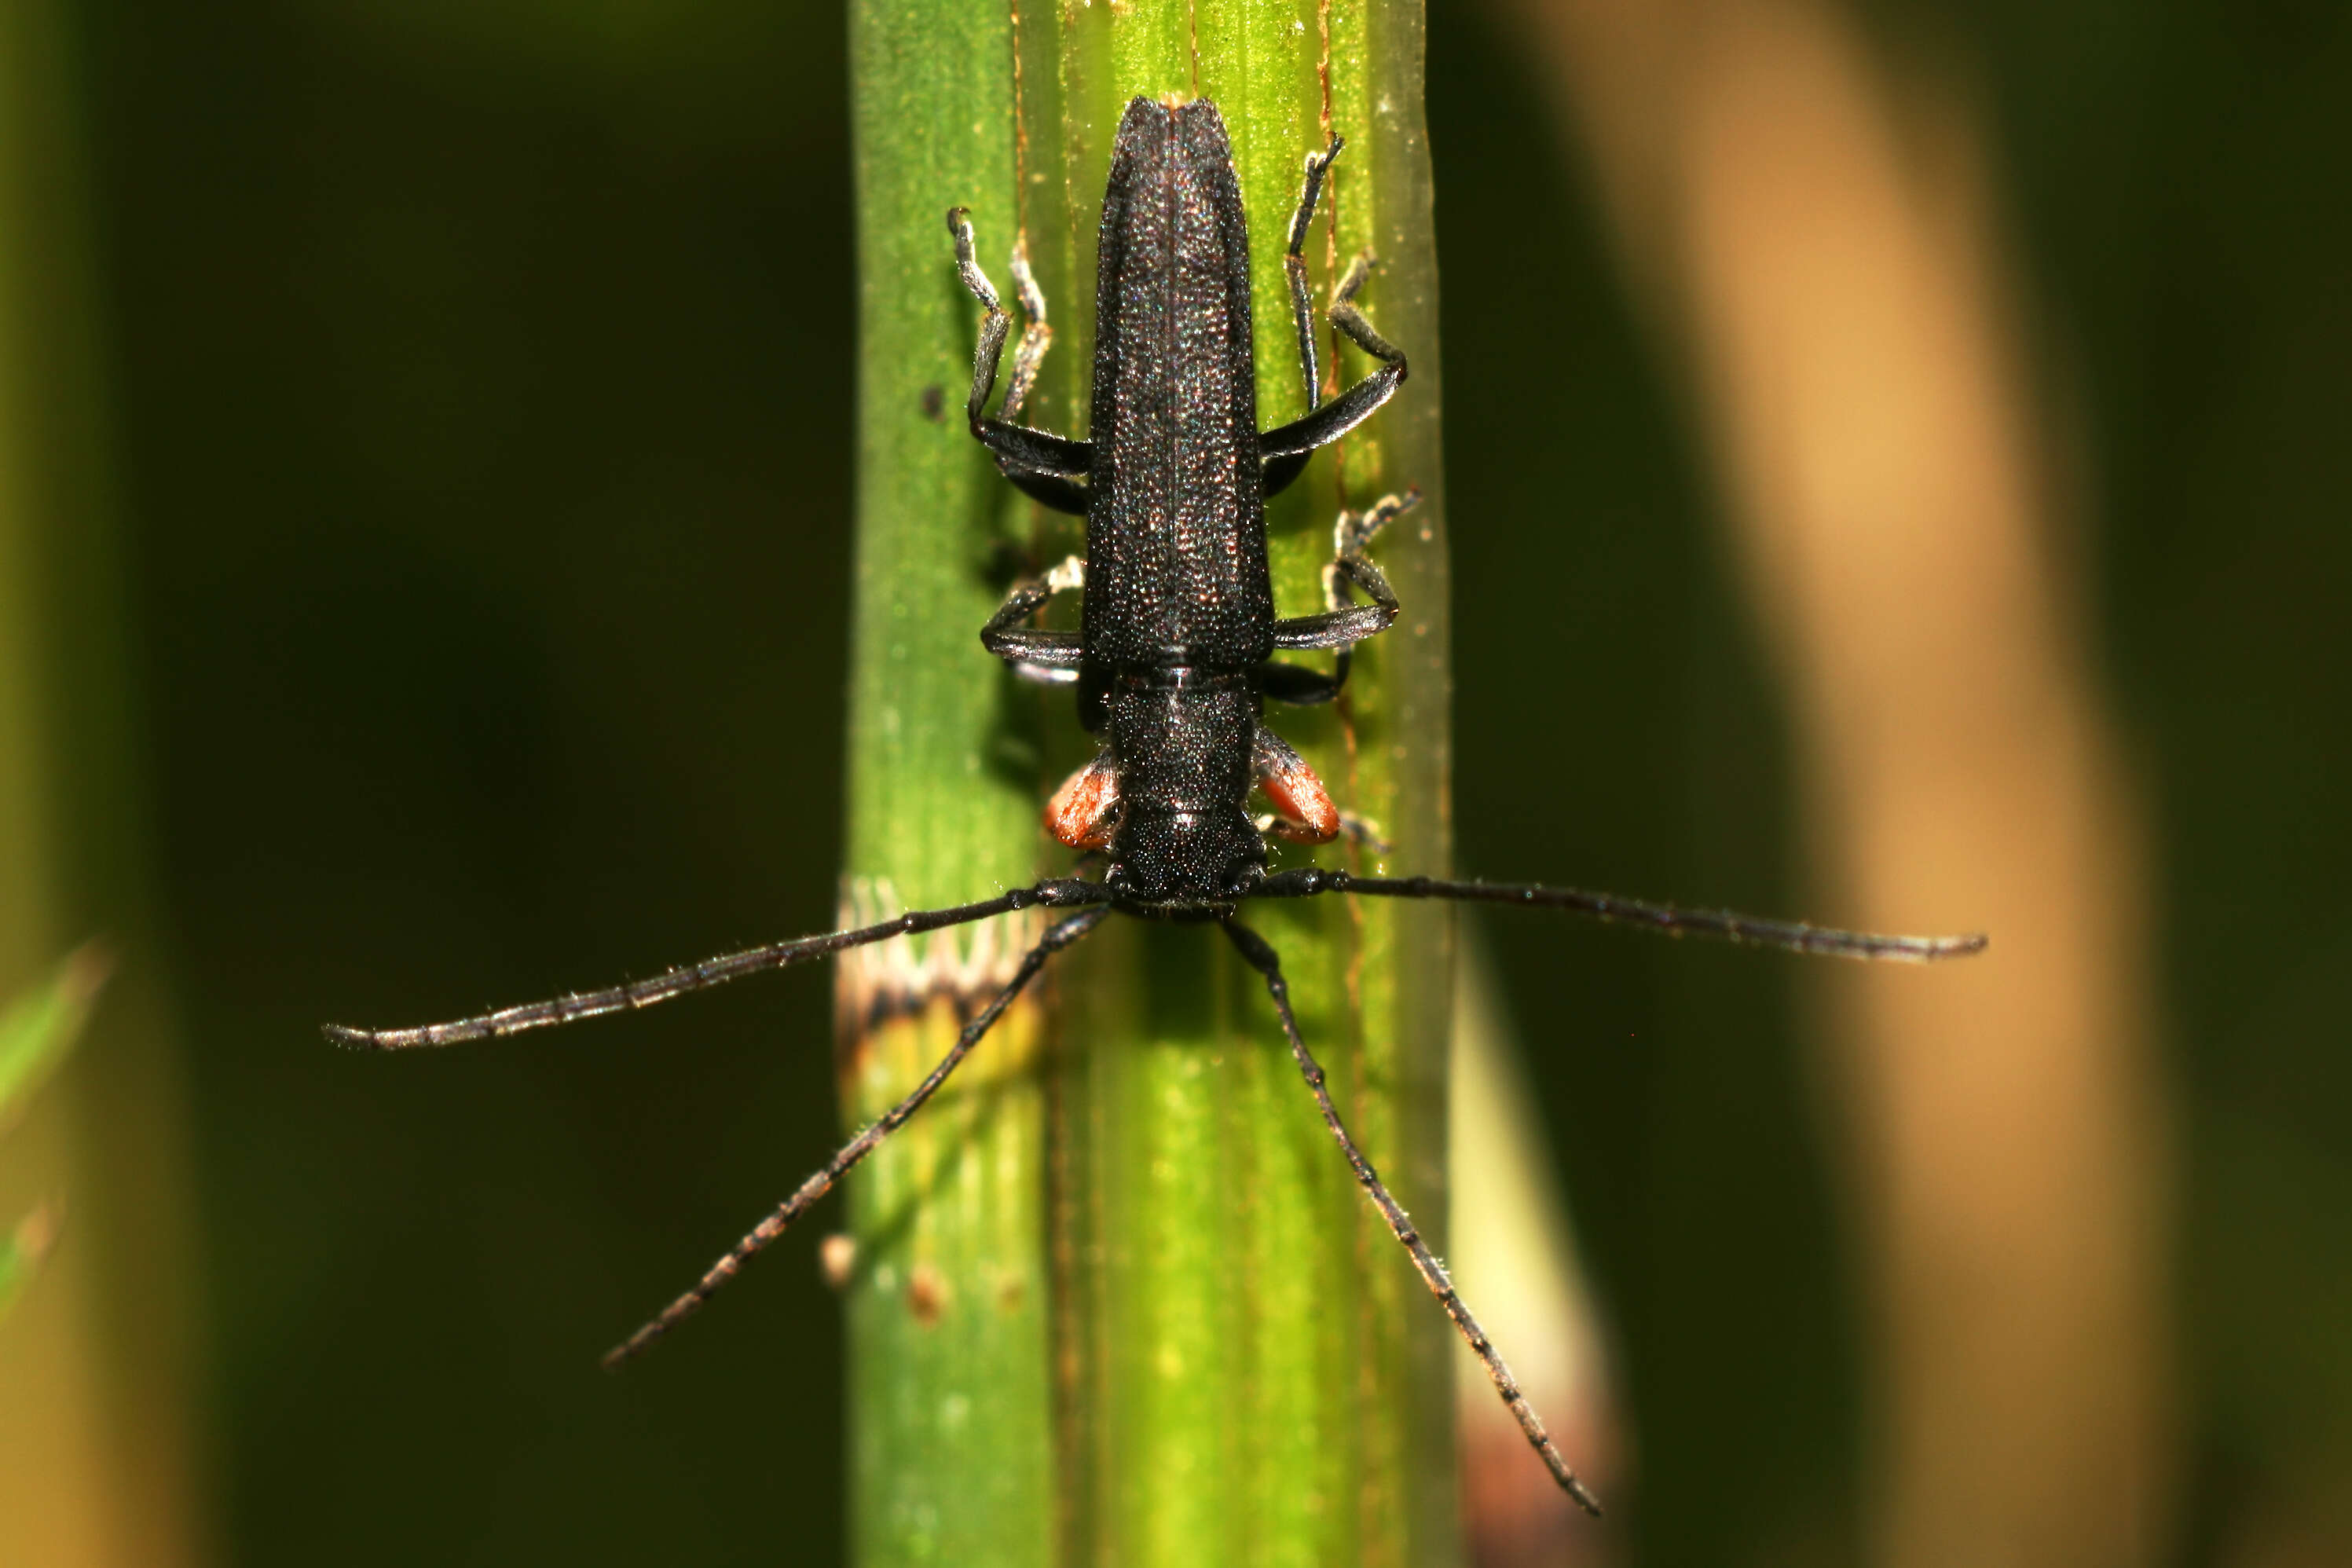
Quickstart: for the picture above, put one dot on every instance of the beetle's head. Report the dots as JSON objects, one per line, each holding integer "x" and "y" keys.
{"x": 1184, "y": 865}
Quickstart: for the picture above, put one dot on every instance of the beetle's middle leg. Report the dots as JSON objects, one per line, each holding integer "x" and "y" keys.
{"x": 1051, "y": 659}
{"x": 1343, "y": 623}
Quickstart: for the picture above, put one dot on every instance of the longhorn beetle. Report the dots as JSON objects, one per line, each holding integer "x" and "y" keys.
{"x": 1175, "y": 655}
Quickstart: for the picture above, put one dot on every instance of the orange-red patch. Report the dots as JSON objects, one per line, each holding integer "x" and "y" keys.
{"x": 1085, "y": 811}
{"x": 1303, "y": 810}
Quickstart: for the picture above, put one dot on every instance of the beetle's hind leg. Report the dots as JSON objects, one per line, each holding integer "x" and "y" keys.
{"x": 1058, "y": 491}
{"x": 1350, "y": 318}
{"x": 1287, "y": 450}
{"x": 1036, "y": 338}
{"x": 1294, "y": 267}
{"x": 1046, "y": 465}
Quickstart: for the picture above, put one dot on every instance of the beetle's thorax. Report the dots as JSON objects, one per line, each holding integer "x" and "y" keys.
{"x": 1185, "y": 846}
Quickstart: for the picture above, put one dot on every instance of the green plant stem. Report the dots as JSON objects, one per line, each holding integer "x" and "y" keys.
{"x": 1241, "y": 1366}
{"x": 950, "y": 1390}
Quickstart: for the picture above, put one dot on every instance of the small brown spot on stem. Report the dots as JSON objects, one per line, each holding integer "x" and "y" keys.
{"x": 836, "y": 1260}
{"x": 927, "y": 1295}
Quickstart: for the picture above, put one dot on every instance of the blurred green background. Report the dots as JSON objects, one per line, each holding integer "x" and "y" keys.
{"x": 467, "y": 459}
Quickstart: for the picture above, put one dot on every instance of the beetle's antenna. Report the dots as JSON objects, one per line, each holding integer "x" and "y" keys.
{"x": 1262, "y": 958}
{"x": 1059, "y": 937}
{"x": 1057, "y": 894}
{"x": 1793, "y": 936}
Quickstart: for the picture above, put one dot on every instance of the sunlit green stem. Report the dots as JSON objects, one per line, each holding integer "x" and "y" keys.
{"x": 1122, "y": 1302}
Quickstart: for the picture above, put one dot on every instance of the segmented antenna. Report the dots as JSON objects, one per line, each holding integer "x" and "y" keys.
{"x": 856, "y": 1149}
{"x": 1056, "y": 894}
{"x": 1262, "y": 958}
{"x": 1671, "y": 920}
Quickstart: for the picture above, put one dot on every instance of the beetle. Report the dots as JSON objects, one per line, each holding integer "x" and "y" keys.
{"x": 1176, "y": 654}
